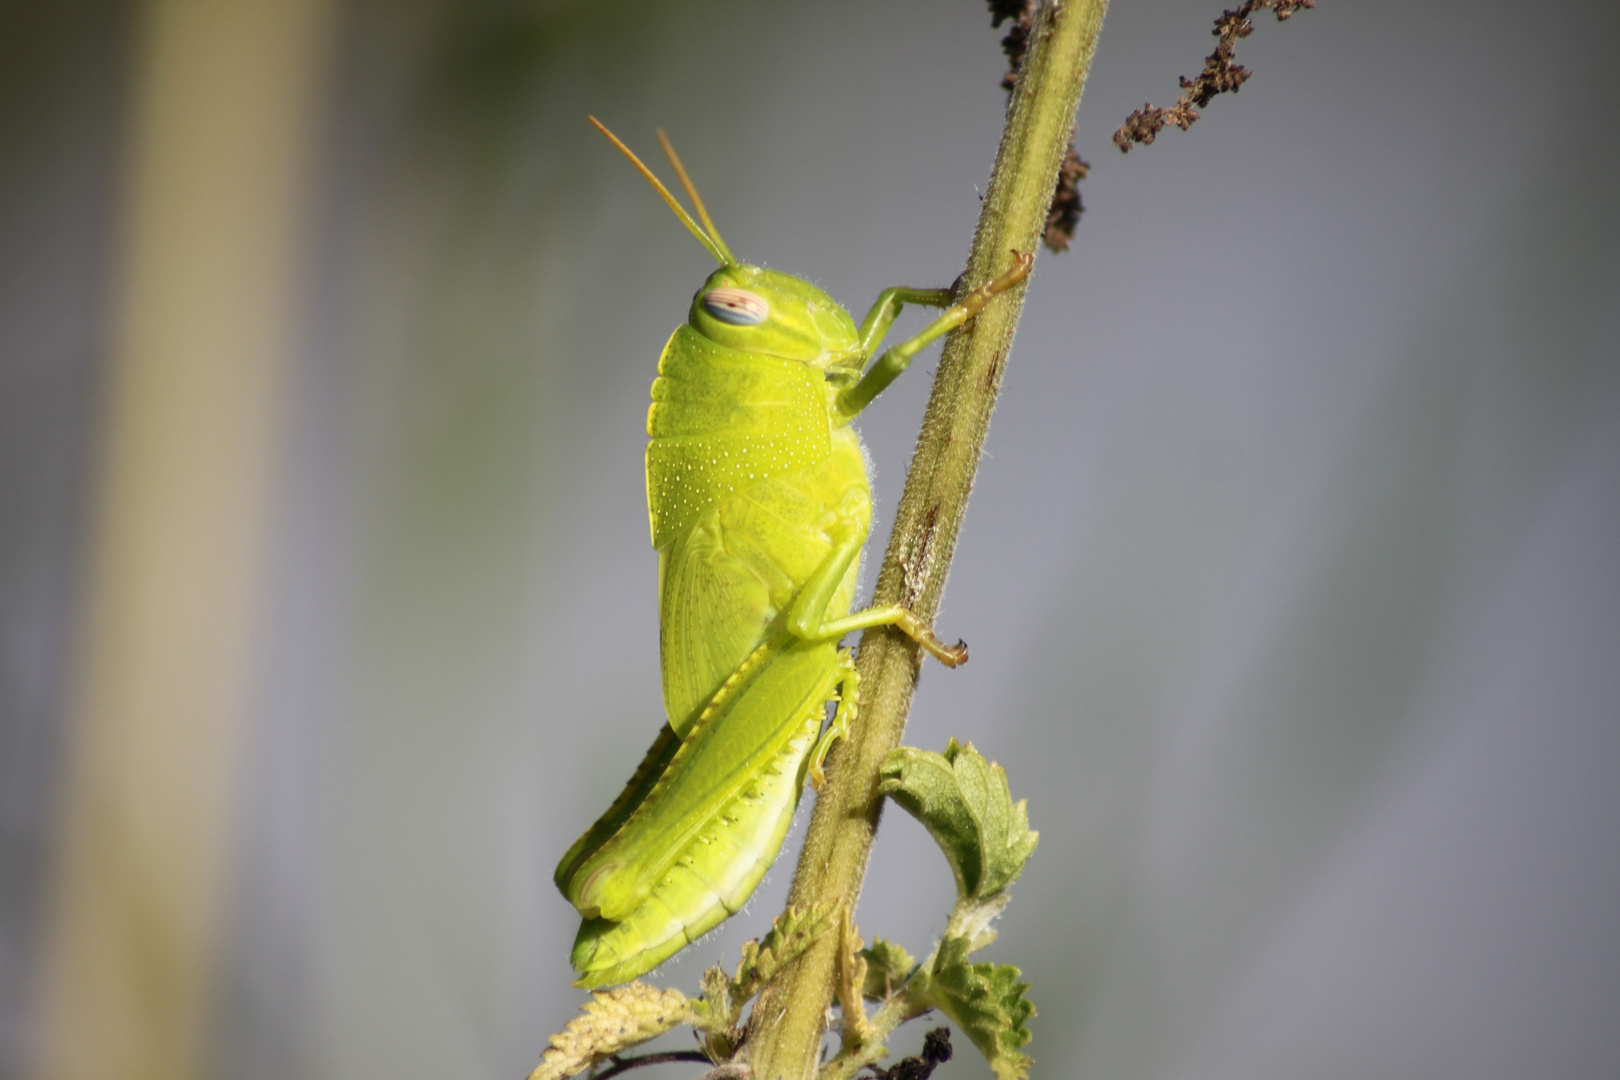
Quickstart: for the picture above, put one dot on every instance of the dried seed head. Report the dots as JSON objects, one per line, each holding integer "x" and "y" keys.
{"x": 1221, "y": 75}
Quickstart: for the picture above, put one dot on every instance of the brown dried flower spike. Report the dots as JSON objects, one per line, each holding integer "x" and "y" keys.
{"x": 1221, "y": 75}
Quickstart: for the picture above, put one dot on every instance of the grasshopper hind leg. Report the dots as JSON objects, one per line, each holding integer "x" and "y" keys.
{"x": 635, "y": 792}
{"x": 717, "y": 873}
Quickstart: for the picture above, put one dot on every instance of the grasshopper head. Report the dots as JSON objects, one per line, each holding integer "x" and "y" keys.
{"x": 752, "y": 309}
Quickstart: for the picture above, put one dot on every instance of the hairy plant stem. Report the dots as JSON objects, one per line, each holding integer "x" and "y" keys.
{"x": 790, "y": 1016}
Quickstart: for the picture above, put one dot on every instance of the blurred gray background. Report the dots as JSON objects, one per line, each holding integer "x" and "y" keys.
{"x": 1292, "y": 574}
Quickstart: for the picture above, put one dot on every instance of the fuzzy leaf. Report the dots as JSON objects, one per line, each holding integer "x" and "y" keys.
{"x": 793, "y": 932}
{"x": 887, "y": 965}
{"x": 858, "y": 1030}
{"x": 613, "y": 1022}
{"x": 964, "y": 802}
{"x": 987, "y": 1002}
{"x": 715, "y": 1013}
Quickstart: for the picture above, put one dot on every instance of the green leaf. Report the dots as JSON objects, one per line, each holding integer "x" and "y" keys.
{"x": 964, "y": 802}
{"x": 987, "y": 1002}
{"x": 715, "y": 1013}
{"x": 794, "y": 931}
{"x": 887, "y": 965}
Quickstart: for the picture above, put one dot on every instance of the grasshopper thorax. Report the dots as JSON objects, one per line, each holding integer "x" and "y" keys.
{"x": 752, "y": 309}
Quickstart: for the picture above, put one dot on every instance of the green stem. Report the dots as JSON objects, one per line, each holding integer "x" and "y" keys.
{"x": 789, "y": 1018}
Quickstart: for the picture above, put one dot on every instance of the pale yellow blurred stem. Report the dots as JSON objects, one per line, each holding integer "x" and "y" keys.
{"x": 223, "y": 122}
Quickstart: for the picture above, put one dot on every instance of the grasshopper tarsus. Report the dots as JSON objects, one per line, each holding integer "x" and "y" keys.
{"x": 950, "y": 655}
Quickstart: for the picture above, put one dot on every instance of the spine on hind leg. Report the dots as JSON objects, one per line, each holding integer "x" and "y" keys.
{"x": 714, "y": 876}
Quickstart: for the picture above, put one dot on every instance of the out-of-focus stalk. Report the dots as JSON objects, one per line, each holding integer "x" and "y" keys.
{"x": 222, "y": 131}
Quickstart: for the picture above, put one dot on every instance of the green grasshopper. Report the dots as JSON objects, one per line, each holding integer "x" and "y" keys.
{"x": 759, "y": 504}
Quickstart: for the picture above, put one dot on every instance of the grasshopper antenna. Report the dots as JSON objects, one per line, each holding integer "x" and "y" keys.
{"x": 691, "y": 191}
{"x": 715, "y": 246}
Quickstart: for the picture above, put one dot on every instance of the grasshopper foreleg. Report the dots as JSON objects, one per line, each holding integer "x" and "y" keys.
{"x": 888, "y": 367}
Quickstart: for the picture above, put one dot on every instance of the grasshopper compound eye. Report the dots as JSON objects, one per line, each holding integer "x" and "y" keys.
{"x": 739, "y": 307}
